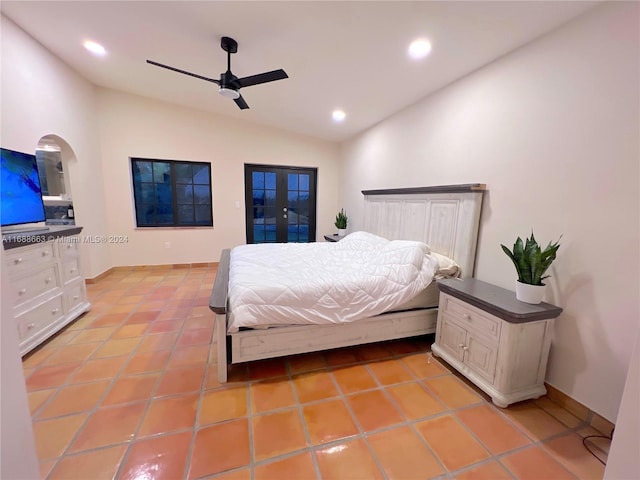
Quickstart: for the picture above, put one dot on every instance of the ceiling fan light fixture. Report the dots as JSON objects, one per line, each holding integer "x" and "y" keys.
{"x": 229, "y": 93}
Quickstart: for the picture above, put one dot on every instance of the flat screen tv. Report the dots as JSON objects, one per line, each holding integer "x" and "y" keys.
{"x": 20, "y": 193}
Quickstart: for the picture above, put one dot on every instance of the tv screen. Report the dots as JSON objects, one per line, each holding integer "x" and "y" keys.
{"x": 20, "y": 193}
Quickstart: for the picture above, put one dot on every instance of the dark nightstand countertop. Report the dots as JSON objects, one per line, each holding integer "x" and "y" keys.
{"x": 21, "y": 239}
{"x": 333, "y": 238}
{"x": 496, "y": 300}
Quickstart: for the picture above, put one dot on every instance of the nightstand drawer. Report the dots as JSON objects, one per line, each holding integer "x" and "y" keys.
{"x": 471, "y": 318}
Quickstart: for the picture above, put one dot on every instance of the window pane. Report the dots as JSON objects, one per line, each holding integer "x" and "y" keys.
{"x": 147, "y": 191}
{"x": 258, "y": 180}
{"x": 142, "y": 171}
{"x": 304, "y": 182}
{"x": 258, "y": 234}
{"x": 258, "y": 197}
{"x": 183, "y": 173}
{"x": 164, "y": 219}
{"x": 270, "y": 233}
{"x": 270, "y": 198}
{"x": 186, "y": 215}
{"x": 202, "y": 194}
{"x": 184, "y": 194}
{"x": 163, "y": 193}
{"x": 200, "y": 174}
{"x": 203, "y": 215}
{"x": 161, "y": 172}
{"x": 293, "y": 181}
{"x": 270, "y": 181}
{"x": 145, "y": 214}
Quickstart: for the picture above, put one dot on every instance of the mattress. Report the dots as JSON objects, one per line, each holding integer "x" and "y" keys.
{"x": 321, "y": 283}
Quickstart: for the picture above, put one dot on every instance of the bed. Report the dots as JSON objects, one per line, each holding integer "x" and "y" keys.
{"x": 446, "y": 218}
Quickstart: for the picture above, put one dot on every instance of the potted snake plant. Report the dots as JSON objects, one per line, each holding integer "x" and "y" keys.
{"x": 341, "y": 222}
{"x": 531, "y": 263}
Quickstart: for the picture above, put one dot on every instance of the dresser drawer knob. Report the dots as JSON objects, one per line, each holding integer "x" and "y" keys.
{"x": 68, "y": 247}
{"x": 54, "y": 311}
{"x": 466, "y": 316}
{"x": 45, "y": 253}
{"x": 73, "y": 270}
{"x": 48, "y": 280}
{"x": 22, "y": 291}
{"x": 17, "y": 261}
{"x": 76, "y": 297}
{"x": 31, "y": 326}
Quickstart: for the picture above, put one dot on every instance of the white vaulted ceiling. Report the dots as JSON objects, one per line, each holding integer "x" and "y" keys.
{"x": 347, "y": 55}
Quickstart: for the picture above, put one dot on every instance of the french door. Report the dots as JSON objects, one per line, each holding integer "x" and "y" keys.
{"x": 280, "y": 204}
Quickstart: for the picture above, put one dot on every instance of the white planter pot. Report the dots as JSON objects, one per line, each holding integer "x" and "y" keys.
{"x": 529, "y": 293}
{"x": 342, "y": 232}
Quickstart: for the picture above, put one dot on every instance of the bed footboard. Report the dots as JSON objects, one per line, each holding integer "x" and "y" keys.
{"x": 218, "y": 304}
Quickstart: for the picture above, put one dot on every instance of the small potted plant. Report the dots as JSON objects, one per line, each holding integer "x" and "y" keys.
{"x": 341, "y": 222}
{"x": 531, "y": 263}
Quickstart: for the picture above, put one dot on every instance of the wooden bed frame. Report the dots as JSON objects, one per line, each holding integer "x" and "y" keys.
{"x": 445, "y": 217}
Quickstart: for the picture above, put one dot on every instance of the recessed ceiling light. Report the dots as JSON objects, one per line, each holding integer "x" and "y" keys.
{"x": 419, "y": 48}
{"x": 338, "y": 115}
{"x": 95, "y": 48}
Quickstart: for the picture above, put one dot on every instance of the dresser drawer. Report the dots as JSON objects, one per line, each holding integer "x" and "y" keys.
{"x": 74, "y": 296}
{"x": 68, "y": 248}
{"x": 28, "y": 257}
{"x": 35, "y": 284}
{"x": 473, "y": 319}
{"x": 40, "y": 317}
{"x": 70, "y": 269}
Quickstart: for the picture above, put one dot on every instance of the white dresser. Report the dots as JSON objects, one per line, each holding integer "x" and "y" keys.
{"x": 49, "y": 291}
{"x": 497, "y": 342}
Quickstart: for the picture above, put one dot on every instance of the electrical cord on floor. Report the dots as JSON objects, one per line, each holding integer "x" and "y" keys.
{"x": 584, "y": 442}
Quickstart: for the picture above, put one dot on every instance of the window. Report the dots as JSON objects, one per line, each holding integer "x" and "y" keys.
{"x": 170, "y": 193}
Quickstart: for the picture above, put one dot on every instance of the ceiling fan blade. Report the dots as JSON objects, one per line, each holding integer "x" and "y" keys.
{"x": 241, "y": 103}
{"x": 262, "y": 78}
{"x": 184, "y": 71}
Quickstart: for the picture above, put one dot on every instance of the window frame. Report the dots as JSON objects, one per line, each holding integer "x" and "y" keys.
{"x": 174, "y": 197}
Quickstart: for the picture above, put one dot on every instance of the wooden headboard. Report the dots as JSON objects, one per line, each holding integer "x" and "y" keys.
{"x": 445, "y": 217}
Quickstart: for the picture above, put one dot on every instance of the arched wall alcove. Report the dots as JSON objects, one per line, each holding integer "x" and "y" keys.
{"x": 56, "y": 162}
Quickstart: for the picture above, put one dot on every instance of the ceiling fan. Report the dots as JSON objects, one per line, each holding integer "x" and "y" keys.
{"x": 230, "y": 85}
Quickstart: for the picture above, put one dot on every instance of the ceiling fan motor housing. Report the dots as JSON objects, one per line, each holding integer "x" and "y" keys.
{"x": 228, "y": 87}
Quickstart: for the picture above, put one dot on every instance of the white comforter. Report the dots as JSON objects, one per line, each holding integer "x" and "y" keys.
{"x": 319, "y": 283}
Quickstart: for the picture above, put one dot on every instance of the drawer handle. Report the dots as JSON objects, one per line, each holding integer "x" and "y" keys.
{"x": 463, "y": 346}
{"x": 466, "y": 316}
{"x": 76, "y": 297}
{"x": 31, "y": 326}
{"x": 48, "y": 280}
{"x": 22, "y": 291}
{"x": 68, "y": 247}
{"x": 73, "y": 270}
{"x": 54, "y": 311}
{"x": 17, "y": 261}
{"x": 45, "y": 253}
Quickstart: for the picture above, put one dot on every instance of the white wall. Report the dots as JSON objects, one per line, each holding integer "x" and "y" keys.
{"x": 552, "y": 129}
{"x": 131, "y": 126}
{"x": 42, "y": 96}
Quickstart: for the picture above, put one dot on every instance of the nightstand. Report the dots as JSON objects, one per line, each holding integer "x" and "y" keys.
{"x": 497, "y": 342}
{"x": 333, "y": 238}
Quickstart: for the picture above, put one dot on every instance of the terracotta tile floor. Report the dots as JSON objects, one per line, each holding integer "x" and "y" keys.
{"x": 130, "y": 391}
